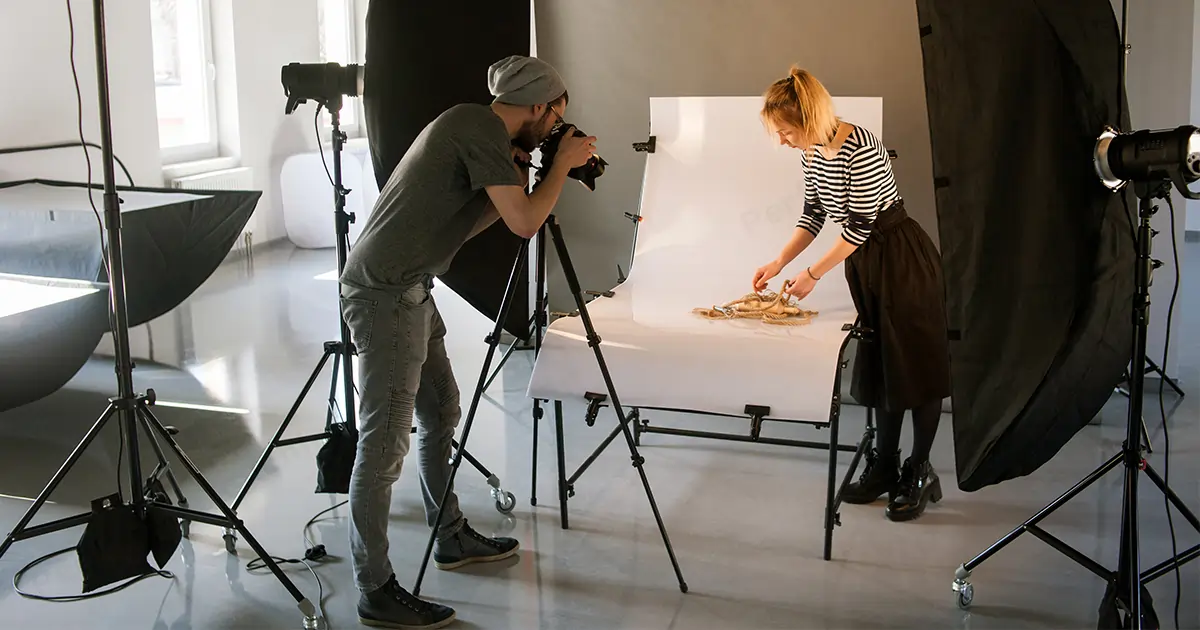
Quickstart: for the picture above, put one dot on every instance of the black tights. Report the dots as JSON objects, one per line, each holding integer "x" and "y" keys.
{"x": 925, "y": 426}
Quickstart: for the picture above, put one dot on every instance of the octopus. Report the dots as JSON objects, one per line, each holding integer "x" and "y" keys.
{"x": 772, "y": 308}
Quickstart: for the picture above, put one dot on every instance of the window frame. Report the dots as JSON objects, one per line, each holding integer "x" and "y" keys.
{"x": 211, "y": 148}
{"x": 355, "y": 129}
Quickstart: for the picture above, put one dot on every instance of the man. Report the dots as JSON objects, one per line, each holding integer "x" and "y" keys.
{"x": 456, "y": 179}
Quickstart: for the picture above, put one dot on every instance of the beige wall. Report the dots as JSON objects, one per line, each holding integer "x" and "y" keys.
{"x": 616, "y": 54}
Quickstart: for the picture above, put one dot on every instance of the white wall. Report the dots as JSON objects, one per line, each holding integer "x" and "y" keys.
{"x": 1160, "y": 96}
{"x": 268, "y": 34}
{"x": 39, "y": 104}
{"x": 252, "y": 40}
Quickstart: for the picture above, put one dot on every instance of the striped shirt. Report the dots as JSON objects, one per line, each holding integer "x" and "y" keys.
{"x": 852, "y": 188}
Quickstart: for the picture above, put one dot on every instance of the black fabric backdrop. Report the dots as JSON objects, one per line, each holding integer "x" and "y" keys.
{"x": 423, "y": 58}
{"x": 1038, "y": 256}
{"x": 169, "y": 250}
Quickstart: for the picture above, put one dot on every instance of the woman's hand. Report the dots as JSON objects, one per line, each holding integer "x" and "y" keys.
{"x": 801, "y": 285}
{"x": 765, "y": 273}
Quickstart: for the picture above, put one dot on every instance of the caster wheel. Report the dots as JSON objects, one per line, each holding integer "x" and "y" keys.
{"x": 506, "y": 503}
{"x": 230, "y": 543}
{"x": 965, "y": 596}
{"x": 185, "y": 528}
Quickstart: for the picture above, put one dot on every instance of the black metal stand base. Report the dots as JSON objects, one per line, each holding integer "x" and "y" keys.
{"x": 1129, "y": 607}
{"x": 965, "y": 591}
{"x": 1153, "y": 368}
{"x": 133, "y": 409}
{"x": 757, "y": 417}
{"x": 594, "y": 342}
{"x": 137, "y": 413}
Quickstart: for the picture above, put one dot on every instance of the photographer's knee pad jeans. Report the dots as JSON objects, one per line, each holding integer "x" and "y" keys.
{"x": 403, "y": 367}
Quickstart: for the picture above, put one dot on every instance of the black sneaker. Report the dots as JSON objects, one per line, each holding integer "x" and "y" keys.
{"x": 469, "y": 546}
{"x": 880, "y": 476}
{"x": 390, "y": 606}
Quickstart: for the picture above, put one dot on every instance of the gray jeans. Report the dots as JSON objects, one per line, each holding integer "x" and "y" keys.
{"x": 402, "y": 366}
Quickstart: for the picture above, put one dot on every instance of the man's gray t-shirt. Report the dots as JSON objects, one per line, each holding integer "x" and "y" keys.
{"x": 433, "y": 199}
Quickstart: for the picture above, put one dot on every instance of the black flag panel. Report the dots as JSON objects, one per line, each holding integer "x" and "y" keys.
{"x": 1038, "y": 255}
{"x": 422, "y": 58}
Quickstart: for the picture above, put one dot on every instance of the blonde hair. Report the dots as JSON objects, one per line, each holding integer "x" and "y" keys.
{"x": 801, "y": 102}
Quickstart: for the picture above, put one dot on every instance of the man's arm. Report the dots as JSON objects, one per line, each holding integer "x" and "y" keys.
{"x": 490, "y": 214}
{"x": 525, "y": 214}
{"x": 489, "y": 217}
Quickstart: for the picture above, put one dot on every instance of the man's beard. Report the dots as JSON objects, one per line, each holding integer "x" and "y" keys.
{"x": 526, "y": 139}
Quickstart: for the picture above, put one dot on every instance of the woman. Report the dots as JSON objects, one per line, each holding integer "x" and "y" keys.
{"x": 894, "y": 274}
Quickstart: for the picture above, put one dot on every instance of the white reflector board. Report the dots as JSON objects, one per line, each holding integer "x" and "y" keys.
{"x": 720, "y": 198}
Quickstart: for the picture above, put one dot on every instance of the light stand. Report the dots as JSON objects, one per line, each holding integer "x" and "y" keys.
{"x": 342, "y": 350}
{"x": 133, "y": 409}
{"x": 1128, "y": 582}
{"x": 1150, "y": 367}
{"x": 593, "y": 341}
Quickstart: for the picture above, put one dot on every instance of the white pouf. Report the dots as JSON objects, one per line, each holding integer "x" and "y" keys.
{"x": 307, "y": 198}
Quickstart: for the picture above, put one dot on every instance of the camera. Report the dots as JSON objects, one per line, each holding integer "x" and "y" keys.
{"x": 325, "y": 83}
{"x": 586, "y": 174}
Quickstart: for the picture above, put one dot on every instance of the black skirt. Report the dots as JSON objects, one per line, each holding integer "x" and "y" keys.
{"x": 895, "y": 280}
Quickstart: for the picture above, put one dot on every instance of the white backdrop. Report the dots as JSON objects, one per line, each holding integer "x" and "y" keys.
{"x": 720, "y": 198}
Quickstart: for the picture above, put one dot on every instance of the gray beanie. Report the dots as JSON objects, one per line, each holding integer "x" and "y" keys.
{"x": 519, "y": 80}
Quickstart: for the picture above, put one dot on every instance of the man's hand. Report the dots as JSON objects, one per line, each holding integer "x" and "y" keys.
{"x": 575, "y": 151}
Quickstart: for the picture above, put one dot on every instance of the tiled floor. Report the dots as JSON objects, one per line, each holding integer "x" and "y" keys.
{"x": 745, "y": 520}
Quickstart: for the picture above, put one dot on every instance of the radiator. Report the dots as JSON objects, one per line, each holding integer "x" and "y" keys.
{"x": 241, "y": 178}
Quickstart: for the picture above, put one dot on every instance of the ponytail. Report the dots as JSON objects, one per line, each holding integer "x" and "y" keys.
{"x": 800, "y": 101}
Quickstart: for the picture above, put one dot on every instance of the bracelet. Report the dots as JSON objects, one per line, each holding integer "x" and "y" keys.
{"x": 810, "y": 273}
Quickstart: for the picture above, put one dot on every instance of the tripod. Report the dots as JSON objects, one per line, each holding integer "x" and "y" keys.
{"x": 133, "y": 410}
{"x": 1126, "y": 584}
{"x": 593, "y": 341}
{"x": 1151, "y": 367}
{"x": 340, "y": 350}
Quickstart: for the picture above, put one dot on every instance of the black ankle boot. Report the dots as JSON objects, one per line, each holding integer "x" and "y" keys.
{"x": 879, "y": 477}
{"x": 918, "y": 486}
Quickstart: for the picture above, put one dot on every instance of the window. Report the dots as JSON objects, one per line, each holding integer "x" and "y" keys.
{"x": 336, "y": 20}
{"x": 184, "y": 79}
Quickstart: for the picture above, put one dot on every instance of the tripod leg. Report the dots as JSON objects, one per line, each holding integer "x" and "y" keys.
{"x": 306, "y": 607}
{"x": 539, "y": 321}
{"x": 1172, "y": 497}
{"x": 331, "y": 409}
{"x": 537, "y": 415}
{"x": 505, "y": 501}
{"x": 562, "y": 466}
{"x": 594, "y": 341}
{"x": 57, "y": 478}
{"x": 180, "y": 500}
{"x": 262, "y": 460}
{"x": 831, "y": 515}
{"x": 493, "y": 340}
{"x": 1156, "y": 368}
{"x": 1146, "y": 436}
{"x": 500, "y": 366}
{"x": 965, "y": 570}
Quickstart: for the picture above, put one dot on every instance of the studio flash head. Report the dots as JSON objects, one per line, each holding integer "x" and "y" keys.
{"x": 587, "y": 173}
{"x": 1149, "y": 156}
{"x": 325, "y": 83}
